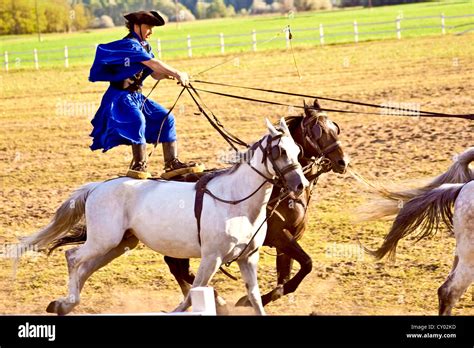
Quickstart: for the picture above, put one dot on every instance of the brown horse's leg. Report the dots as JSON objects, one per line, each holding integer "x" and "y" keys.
{"x": 181, "y": 272}
{"x": 183, "y": 275}
{"x": 284, "y": 264}
{"x": 285, "y": 243}
{"x": 306, "y": 265}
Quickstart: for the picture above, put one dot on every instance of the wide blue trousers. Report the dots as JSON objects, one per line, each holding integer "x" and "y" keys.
{"x": 122, "y": 119}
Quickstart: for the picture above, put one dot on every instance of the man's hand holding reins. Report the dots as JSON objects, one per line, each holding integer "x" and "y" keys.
{"x": 160, "y": 68}
{"x": 183, "y": 78}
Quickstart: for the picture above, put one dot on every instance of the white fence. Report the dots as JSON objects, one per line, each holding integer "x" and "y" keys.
{"x": 321, "y": 34}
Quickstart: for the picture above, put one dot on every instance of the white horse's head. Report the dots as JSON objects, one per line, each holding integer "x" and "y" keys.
{"x": 282, "y": 158}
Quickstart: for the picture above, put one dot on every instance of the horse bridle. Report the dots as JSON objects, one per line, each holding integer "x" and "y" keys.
{"x": 272, "y": 153}
{"x": 308, "y": 131}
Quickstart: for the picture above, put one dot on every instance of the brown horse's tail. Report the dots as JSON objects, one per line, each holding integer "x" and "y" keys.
{"x": 392, "y": 200}
{"x": 68, "y": 215}
{"x": 424, "y": 214}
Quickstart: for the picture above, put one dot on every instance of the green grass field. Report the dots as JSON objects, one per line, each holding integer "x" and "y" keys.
{"x": 338, "y": 28}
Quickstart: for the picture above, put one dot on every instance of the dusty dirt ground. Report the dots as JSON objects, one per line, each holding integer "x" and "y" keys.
{"x": 45, "y": 122}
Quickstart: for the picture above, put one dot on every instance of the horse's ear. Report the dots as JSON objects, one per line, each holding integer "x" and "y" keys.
{"x": 307, "y": 109}
{"x": 271, "y": 128}
{"x": 337, "y": 127}
{"x": 284, "y": 126}
{"x": 316, "y": 104}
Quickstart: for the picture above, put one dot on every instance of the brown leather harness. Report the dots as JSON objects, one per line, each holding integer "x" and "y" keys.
{"x": 131, "y": 84}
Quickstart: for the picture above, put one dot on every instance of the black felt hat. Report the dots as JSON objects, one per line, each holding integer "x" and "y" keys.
{"x": 145, "y": 17}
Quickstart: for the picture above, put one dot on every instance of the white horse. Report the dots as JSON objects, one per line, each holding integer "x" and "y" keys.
{"x": 161, "y": 215}
{"x": 421, "y": 211}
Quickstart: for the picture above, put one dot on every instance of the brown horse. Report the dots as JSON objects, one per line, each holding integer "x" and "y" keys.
{"x": 321, "y": 152}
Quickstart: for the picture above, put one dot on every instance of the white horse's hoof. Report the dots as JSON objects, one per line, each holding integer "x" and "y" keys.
{"x": 58, "y": 308}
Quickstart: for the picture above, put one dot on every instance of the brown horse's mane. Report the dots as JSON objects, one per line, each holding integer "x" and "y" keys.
{"x": 293, "y": 121}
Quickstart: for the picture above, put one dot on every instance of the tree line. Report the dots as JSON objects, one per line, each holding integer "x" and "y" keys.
{"x": 29, "y": 16}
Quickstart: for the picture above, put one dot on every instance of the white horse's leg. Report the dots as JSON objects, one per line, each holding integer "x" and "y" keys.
{"x": 88, "y": 268}
{"x": 248, "y": 269}
{"x": 77, "y": 259}
{"x": 64, "y": 305}
{"x": 462, "y": 274}
{"x": 207, "y": 268}
{"x": 454, "y": 286}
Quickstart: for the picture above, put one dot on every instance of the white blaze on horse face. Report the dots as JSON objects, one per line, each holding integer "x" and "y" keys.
{"x": 332, "y": 126}
{"x": 286, "y": 142}
{"x": 292, "y": 151}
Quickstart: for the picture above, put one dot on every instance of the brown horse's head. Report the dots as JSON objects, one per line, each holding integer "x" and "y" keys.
{"x": 320, "y": 137}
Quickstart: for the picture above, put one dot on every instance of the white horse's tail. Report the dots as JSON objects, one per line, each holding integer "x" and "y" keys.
{"x": 66, "y": 217}
{"x": 392, "y": 200}
{"x": 421, "y": 215}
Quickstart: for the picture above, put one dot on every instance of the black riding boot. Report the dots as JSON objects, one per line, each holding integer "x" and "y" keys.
{"x": 173, "y": 166}
{"x": 138, "y": 170}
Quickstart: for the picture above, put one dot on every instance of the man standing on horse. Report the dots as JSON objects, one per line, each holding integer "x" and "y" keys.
{"x": 125, "y": 116}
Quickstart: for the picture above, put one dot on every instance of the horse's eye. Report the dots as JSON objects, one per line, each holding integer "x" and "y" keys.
{"x": 317, "y": 131}
{"x": 276, "y": 152}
